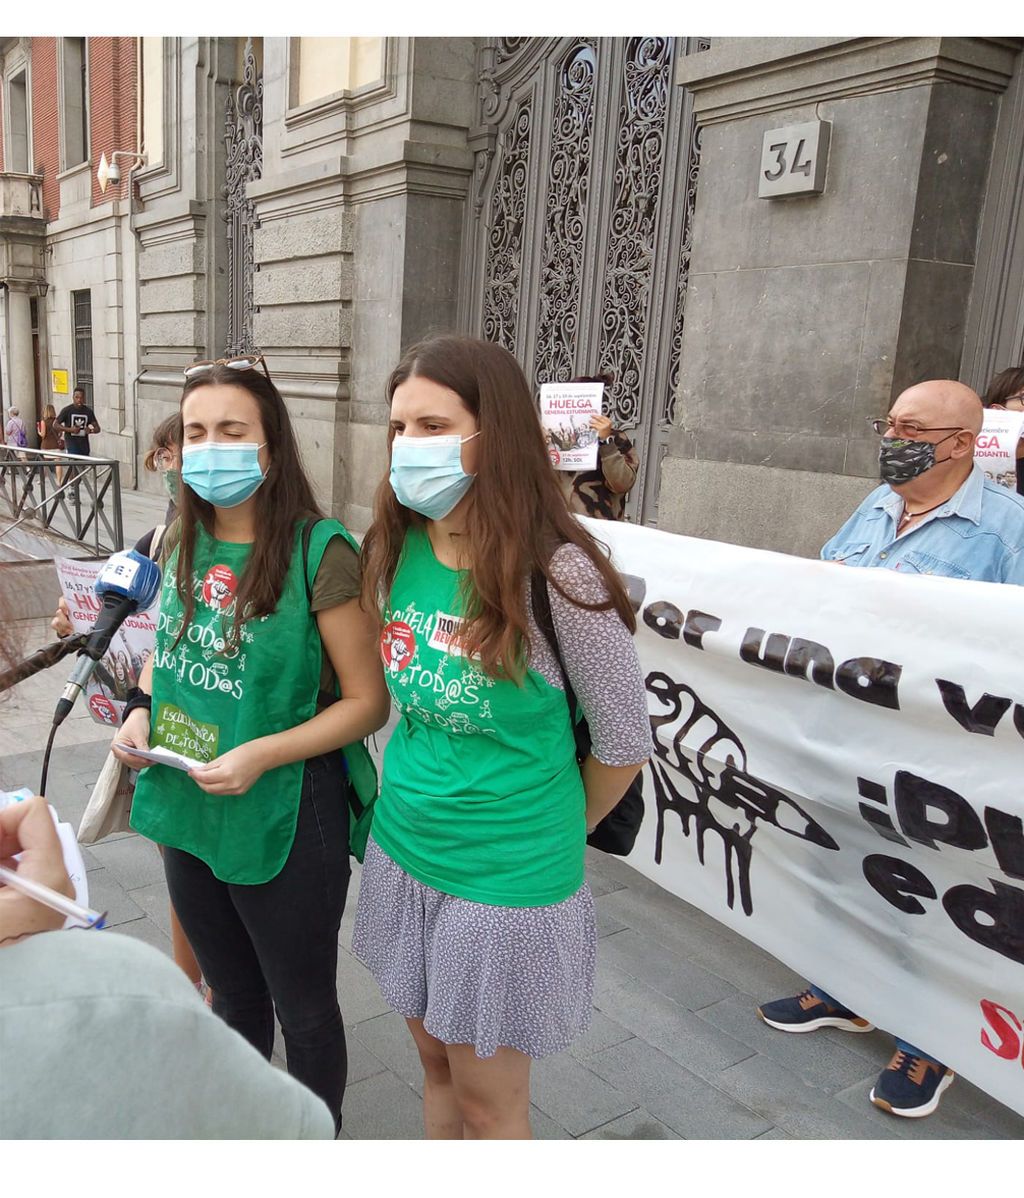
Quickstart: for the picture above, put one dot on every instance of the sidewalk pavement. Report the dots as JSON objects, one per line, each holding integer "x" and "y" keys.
{"x": 675, "y": 1049}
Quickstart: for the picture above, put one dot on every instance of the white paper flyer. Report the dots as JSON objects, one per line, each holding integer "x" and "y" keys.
{"x": 119, "y": 668}
{"x": 565, "y": 412}
{"x": 995, "y": 450}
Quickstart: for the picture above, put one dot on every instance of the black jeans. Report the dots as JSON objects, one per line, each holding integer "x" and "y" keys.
{"x": 276, "y": 945}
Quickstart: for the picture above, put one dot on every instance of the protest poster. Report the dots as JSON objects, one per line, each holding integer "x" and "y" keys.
{"x": 119, "y": 669}
{"x": 565, "y": 412}
{"x": 836, "y": 777}
{"x": 995, "y": 450}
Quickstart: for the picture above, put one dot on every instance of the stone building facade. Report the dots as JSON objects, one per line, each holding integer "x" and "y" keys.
{"x": 592, "y": 203}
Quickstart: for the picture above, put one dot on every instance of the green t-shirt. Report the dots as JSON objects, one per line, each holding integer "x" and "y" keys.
{"x": 481, "y": 796}
{"x": 207, "y": 701}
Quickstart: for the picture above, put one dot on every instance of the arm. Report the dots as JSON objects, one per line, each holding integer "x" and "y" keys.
{"x": 614, "y": 701}
{"x": 135, "y": 730}
{"x": 94, "y": 425}
{"x": 619, "y": 468}
{"x": 349, "y": 636}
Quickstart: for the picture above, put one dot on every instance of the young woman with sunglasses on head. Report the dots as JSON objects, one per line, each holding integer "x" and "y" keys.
{"x": 473, "y": 913}
{"x": 256, "y": 838}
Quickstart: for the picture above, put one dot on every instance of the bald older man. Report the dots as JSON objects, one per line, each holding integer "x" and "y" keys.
{"x": 935, "y": 513}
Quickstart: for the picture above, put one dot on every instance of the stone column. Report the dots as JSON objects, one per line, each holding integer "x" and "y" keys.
{"x": 19, "y": 347}
{"x": 807, "y": 315}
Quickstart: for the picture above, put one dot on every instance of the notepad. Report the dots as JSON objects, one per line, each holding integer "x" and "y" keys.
{"x": 158, "y": 755}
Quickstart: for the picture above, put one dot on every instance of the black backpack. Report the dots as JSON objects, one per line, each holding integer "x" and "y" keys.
{"x": 617, "y": 832}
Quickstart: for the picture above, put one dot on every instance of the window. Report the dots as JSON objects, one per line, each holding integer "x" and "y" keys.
{"x": 81, "y": 314}
{"x": 327, "y": 65}
{"x": 74, "y": 109}
{"x": 151, "y": 69}
{"x": 18, "y": 149}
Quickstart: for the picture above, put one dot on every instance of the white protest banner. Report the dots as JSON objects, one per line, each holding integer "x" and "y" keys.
{"x": 995, "y": 450}
{"x": 565, "y": 412}
{"x": 118, "y": 670}
{"x": 837, "y": 776}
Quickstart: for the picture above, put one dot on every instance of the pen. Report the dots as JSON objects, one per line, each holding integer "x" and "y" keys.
{"x": 50, "y": 898}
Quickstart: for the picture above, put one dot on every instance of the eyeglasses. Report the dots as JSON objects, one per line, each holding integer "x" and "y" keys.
{"x": 1017, "y": 399}
{"x": 241, "y": 362}
{"x": 908, "y": 428}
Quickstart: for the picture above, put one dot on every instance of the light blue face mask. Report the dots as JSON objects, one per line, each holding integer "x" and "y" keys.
{"x": 427, "y": 474}
{"x": 224, "y": 473}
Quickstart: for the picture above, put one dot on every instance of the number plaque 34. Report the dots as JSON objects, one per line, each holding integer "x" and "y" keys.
{"x": 793, "y": 160}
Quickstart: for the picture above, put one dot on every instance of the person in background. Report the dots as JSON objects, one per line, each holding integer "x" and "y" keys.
{"x": 602, "y": 492}
{"x": 15, "y": 430}
{"x": 1006, "y": 391}
{"x": 76, "y": 422}
{"x": 935, "y": 513}
{"x": 163, "y": 457}
{"x": 49, "y": 437}
{"x": 256, "y": 623}
{"x": 474, "y": 915}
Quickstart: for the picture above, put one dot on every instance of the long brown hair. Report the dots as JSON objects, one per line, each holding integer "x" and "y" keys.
{"x": 1003, "y": 385}
{"x": 284, "y": 498}
{"x": 517, "y": 517}
{"x": 166, "y": 435}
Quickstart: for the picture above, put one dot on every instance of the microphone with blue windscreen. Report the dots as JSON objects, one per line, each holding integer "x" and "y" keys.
{"x": 129, "y": 582}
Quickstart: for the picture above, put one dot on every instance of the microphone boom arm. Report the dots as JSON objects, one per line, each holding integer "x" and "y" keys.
{"x": 41, "y": 660}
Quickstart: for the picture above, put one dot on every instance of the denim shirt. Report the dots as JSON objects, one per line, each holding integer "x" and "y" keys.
{"x": 978, "y": 533}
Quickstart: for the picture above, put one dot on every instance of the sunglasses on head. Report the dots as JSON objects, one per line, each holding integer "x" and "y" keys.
{"x": 238, "y": 362}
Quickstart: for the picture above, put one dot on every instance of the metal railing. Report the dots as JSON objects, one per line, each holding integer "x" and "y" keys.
{"x": 75, "y": 497}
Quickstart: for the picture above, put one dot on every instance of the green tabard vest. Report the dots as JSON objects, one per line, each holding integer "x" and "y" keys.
{"x": 206, "y": 701}
{"x": 481, "y": 796}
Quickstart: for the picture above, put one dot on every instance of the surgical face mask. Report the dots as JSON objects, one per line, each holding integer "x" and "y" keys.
{"x": 224, "y": 473}
{"x": 172, "y": 482}
{"x": 900, "y": 460}
{"x": 427, "y": 474}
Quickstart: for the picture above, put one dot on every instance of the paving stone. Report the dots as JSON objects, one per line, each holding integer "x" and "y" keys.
{"x": 600, "y": 884}
{"x": 607, "y": 925}
{"x": 546, "y": 1128}
{"x": 822, "y": 1057}
{"x": 565, "y": 1089}
{"x": 653, "y": 963}
{"x": 156, "y": 903}
{"x": 107, "y": 894}
{"x": 361, "y": 1062}
{"x": 382, "y": 1108}
{"x": 602, "y": 1033}
{"x": 358, "y": 993}
{"x": 689, "y": 1105}
{"x": 637, "y": 1125}
{"x": 677, "y": 1032}
{"x": 388, "y": 1038}
{"x": 146, "y": 931}
{"x": 134, "y": 861}
{"x": 804, "y": 1111}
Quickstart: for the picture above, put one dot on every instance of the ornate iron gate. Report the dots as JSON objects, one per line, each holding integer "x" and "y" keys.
{"x": 243, "y": 140}
{"x": 578, "y": 239}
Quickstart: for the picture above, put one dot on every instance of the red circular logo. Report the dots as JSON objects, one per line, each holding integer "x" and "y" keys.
{"x": 554, "y": 455}
{"x": 219, "y": 587}
{"x": 102, "y": 708}
{"x": 397, "y": 645}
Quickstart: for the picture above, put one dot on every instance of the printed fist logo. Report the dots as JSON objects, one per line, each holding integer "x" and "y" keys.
{"x": 554, "y": 455}
{"x": 103, "y": 710}
{"x": 219, "y": 587}
{"x": 397, "y": 645}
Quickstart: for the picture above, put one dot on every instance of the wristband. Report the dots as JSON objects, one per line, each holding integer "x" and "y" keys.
{"x": 137, "y": 697}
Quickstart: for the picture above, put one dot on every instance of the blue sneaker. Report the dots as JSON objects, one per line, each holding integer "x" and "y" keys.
{"x": 807, "y": 1012}
{"x": 910, "y": 1086}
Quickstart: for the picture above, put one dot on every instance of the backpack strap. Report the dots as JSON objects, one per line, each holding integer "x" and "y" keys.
{"x": 307, "y": 533}
{"x": 540, "y": 602}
